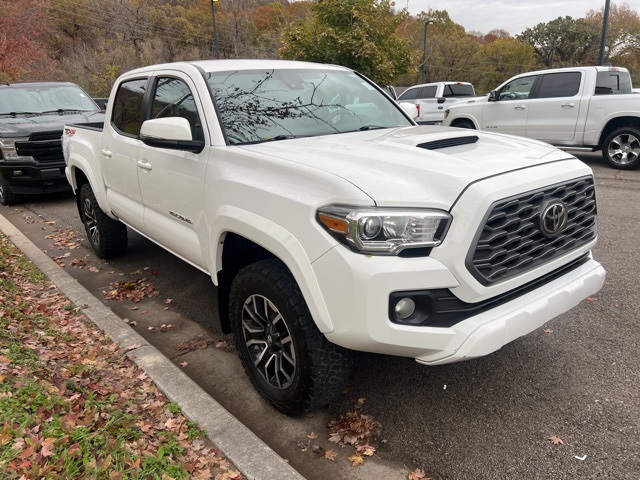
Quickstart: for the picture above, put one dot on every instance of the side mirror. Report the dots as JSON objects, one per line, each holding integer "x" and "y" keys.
{"x": 493, "y": 96}
{"x": 170, "y": 132}
{"x": 410, "y": 109}
{"x": 441, "y": 100}
{"x": 391, "y": 91}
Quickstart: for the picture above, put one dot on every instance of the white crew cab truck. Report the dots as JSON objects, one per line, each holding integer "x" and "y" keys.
{"x": 431, "y": 99}
{"x": 590, "y": 108}
{"x": 330, "y": 222}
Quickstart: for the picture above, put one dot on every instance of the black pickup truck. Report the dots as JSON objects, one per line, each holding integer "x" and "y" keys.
{"x": 32, "y": 117}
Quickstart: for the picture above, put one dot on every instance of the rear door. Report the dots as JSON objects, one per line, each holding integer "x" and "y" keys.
{"x": 119, "y": 146}
{"x": 555, "y": 106}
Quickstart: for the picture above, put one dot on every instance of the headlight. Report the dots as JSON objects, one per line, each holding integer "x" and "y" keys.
{"x": 385, "y": 231}
{"x": 8, "y": 148}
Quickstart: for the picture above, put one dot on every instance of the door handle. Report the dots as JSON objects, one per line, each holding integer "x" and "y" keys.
{"x": 571, "y": 105}
{"x": 144, "y": 164}
{"x": 519, "y": 107}
{"x": 106, "y": 152}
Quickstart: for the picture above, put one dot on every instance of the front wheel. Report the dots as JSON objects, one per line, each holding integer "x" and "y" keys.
{"x": 622, "y": 148}
{"x": 465, "y": 124}
{"x": 107, "y": 237}
{"x": 6, "y": 197}
{"x": 288, "y": 360}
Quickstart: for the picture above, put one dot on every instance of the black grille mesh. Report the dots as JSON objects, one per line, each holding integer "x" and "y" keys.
{"x": 510, "y": 242}
{"x": 45, "y": 147}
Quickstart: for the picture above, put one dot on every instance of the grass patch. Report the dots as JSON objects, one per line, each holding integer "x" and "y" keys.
{"x": 72, "y": 405}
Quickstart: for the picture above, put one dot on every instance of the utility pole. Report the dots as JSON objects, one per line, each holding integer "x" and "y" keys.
{"x": 603, "y": 40}
{"x": 215, "y": 30}
{"x": 424, "y": 51}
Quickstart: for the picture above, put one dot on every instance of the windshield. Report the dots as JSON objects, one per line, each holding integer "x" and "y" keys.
{"x": 258, "y": 105}
{"x": 44, "y": 98}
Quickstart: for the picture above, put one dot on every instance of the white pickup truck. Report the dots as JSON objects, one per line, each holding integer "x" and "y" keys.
{"x": 589, "y": 108}
{"x": 330, "y": 222}
{"x": 431, "y": 99}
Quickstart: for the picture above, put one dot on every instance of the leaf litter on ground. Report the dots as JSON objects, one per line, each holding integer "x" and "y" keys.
{"x": 73, "y": 405}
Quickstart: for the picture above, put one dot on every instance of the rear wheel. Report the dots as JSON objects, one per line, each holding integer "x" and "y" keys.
{"x": 288, "y": 360}
{"x": 107, "y": 237}
{"x": 622, "y": 148}
{"x": 6, "y": 197}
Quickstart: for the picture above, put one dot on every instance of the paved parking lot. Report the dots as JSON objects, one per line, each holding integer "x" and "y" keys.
{"x": 490, "y": 418}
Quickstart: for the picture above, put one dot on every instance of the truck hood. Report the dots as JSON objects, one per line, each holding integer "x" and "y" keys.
{"x": 24, "y": 125}
{"x": 413, "y": 166}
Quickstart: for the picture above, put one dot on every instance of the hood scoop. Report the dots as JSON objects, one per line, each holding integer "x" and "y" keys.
{"x": 448, "y": 142}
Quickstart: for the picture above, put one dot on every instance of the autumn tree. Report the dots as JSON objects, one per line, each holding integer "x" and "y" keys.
{"x": 567, "y": 41}
{"x": 23, "y": 50}
{"x": 501, "y": 59}
{"x": 623, "y": 37}
{"x": 359, "y": 34}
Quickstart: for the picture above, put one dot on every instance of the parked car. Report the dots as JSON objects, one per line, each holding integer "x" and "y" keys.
{"x": 330, "y": 221}
{"x": 590, "y": 108}
{"x": 32, "y": 116}
{"x": 431, "y": 99}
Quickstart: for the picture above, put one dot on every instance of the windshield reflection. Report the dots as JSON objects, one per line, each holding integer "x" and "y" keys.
{"x": 257, "y": 105}
{"x": 43, "y": 99}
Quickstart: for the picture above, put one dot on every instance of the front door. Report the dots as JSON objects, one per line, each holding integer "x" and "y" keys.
{"x": 172, "y": 181}
{"x": 509, "y": 112}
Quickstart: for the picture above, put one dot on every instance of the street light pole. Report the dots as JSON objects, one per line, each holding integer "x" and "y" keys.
{"x": 215, "y": 31}
{"x": 603, "y": 40}
{"x": 424, "y": 52}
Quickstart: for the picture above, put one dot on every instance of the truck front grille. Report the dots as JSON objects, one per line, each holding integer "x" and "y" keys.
{"x": 513, "y": 240}
{"x": 45, "y": 147}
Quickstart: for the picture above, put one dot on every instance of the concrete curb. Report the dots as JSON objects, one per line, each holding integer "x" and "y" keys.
{"x": 254, "y": 458}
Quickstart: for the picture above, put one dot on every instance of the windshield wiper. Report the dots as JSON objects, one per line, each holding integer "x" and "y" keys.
{"x": 370, "y": 127}
{"x": 273, "y": 139}
{"x": 15, "y": 114}
{"x": 64, "y": 110}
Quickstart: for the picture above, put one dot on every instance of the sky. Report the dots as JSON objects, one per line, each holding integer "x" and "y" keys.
{"x": 514, "y": 16}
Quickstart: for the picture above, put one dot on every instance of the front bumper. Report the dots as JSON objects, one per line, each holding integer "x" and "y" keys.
{"x": 356, "y": 291}
{"x": 25, "y": 178}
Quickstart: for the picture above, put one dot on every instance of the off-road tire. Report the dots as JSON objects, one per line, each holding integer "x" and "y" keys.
{"x": 107, "y": 237}
{"x": 6, "y": 197}
{"x": 321, "y": 370}
{"x": 621, "y": 148}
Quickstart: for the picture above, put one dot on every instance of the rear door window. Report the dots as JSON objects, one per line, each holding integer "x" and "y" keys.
{"x": 128, "y": 112}
{"x": 554, "y": 85}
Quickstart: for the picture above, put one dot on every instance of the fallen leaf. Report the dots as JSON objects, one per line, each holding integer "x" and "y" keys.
{"x": 330, "y": 455}
{"x": 367, "y": 450}
{"x": 556, "y": 440}
{"x": 417, "y": 474}
{"x": 356, "y": 460}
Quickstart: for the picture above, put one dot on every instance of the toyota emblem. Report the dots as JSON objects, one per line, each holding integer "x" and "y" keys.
{"x": 553, "y": 218}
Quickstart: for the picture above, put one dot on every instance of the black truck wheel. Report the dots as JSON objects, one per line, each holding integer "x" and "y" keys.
{"x": 6, "y": 197}
{"x": 621, "y": 148}
{"x": 291, "y": 364}
{"x": 107, "y": 237}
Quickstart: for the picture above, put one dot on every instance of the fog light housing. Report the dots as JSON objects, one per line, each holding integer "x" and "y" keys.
{"x": 412, "y": 308}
